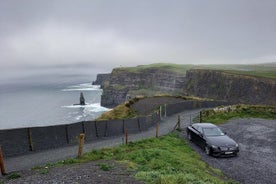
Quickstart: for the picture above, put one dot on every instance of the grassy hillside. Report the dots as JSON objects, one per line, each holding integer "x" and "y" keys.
{"x": 166, "y": 160}
{"x": 258, "y": 70}
{"x": 222, "y": 114}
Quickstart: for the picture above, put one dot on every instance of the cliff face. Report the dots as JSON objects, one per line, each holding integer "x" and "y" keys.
{"x": 231, "y": 87}
{"x": 101, "y": 78}
{"x": 123, "y": 84}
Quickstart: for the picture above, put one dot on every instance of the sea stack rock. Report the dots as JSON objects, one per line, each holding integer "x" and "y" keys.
{"x": 82, "y": 100}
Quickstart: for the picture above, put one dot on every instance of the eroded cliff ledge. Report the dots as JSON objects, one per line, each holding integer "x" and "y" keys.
{"x": 124, "y": 83}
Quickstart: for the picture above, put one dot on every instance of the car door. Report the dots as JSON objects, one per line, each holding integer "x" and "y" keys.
{"x": 195, "y": 134}
{"x": 201, "y": 139}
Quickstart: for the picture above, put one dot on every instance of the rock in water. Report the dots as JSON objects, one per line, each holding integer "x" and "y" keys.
{"x": 82, "y": 100}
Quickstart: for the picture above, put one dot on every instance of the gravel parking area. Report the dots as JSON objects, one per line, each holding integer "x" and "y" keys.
{"x": 256, "y": 161}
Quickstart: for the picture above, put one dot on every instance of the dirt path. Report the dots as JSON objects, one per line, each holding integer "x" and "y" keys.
{"x": 91, "y": 172}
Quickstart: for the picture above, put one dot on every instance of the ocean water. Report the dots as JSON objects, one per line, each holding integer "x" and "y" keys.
{"x": 43, "y": 98}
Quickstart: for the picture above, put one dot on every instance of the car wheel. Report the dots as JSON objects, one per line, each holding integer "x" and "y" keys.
{"x": 189, "y": 136}
{"x": 207, "y": 150}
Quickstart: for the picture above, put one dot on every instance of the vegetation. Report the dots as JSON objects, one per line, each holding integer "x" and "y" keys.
{"x": 13, "y": 176}
{"x": 260, "y": 70}
{"x": 105, "y": 166}
{"x": 167, "y": 159}
{"x": 124, "y": 111}
{"x": 151, "y": 92}
{"x": 120, "y": 112}
{"x": 177, "y": 68}
{"x": 222, "y": 114}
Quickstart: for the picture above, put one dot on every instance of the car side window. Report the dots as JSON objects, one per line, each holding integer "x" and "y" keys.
{"x": 200, "y": 129}
{"x": 197, "y": 128}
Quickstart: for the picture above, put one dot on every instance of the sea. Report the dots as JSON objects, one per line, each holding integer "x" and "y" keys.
{"x": 37, "y": 97}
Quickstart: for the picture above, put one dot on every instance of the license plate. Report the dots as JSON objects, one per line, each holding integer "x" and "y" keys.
{"x": 228, "y": 152}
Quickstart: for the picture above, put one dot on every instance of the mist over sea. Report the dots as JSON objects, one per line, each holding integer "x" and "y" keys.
{"x": 43, "y": 97}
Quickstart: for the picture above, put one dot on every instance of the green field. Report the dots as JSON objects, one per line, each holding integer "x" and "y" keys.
{"x": 257, "y": 70}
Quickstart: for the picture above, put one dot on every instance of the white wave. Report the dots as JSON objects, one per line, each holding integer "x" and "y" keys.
{"x": 78, "y": 117}
{"x": 96, "y": 107}
{"x": 83, "y": 87}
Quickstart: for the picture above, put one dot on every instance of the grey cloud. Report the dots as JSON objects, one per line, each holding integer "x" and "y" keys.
{"x": 130, "y": 32}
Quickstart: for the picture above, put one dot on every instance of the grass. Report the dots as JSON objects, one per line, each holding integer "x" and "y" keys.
{"x": 219, "y": 116}
{"x": 165, "y": 160}
{"x": 124, "y": 111}
{"x": 256, "y": 73}
{"x": 13, "y": 176}
{"x": 258, "y": 70}
{"x": 105, "y": 166}
{"x": 119, "y": 112}
{"x": 170, "y": 67}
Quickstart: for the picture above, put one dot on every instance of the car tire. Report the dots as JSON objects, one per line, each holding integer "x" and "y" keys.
{"x": 189, "y": 136}
{"x": 207, "y": 150}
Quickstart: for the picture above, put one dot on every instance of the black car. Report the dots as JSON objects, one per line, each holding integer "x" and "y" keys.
{"x": 210, "y": 138}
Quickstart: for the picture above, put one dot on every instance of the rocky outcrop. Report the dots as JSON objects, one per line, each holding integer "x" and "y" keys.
{"x": 124, "y": 83}
{"x": 231, "y": 87}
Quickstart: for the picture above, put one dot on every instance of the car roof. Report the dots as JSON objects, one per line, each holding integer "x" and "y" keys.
{"x": 205, "y": 125}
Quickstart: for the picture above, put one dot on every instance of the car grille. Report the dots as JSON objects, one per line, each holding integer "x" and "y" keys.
{"x": 227, "y": 148}
{"x": 223, "y": 148}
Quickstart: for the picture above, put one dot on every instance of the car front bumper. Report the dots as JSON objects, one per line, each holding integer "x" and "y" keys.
{"x": 219, "y": 151}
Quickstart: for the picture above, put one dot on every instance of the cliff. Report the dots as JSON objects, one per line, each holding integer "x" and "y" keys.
{"x": 230, "y": 87}
{"x": 101, "y": 78}
{"x": 125, "y": 83}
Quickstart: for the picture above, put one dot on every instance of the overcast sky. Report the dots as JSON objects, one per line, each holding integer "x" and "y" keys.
{"x": 109, "y": 33}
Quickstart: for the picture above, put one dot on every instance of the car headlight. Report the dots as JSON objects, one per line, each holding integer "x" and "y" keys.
{"x": 214, "y": 147}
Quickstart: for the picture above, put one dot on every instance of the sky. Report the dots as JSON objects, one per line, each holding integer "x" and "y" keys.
{"x": 109, "y": 33}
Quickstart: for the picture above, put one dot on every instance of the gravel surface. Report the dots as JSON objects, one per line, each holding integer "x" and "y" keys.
{"x": 79, "y": 173}
{"x": 256, "y": 161}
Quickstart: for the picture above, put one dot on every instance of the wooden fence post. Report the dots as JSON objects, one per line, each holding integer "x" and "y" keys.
{"x": 2, "y": 166}
{"x": 160, "y": 112}
{"x": 81, "y": 142}
{"x": 178, "y": 122}
{"x": 165, "y": 110}
{"x": 156, "y": 130}
{"x": 31, "y": 145}
{"x": 126, "y": 135}
{"x": 200, "y": 117}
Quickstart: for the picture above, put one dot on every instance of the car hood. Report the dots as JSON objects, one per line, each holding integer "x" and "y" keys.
{"x": 223, "y": 140}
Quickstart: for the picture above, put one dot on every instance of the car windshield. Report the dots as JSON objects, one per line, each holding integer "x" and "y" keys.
{"x": 213, "y": 131}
